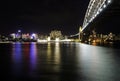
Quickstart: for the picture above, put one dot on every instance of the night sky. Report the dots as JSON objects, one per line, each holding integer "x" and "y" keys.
{"x": 47, "y": 15}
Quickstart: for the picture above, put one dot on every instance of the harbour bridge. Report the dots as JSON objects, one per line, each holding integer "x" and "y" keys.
{"x": 95, "y": 7}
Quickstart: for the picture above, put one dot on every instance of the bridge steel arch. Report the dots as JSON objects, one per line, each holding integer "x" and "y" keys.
{"x": 95, "y": 7}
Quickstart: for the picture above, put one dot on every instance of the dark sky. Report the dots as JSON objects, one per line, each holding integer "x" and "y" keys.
{"x": 47, "y": 15}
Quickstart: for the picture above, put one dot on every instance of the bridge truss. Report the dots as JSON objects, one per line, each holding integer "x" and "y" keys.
{"x": 95, "y": 7}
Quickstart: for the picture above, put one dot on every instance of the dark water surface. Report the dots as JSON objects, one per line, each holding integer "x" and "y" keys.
{"x": 58, "y": 62}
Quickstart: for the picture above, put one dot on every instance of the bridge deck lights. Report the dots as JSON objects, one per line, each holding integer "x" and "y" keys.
{"x": 95, "y": 7}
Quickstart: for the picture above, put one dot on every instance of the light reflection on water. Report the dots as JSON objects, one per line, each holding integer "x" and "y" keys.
{"x": 97, "y": 63}
{"x": 57, "y": 53}
{"x": 24, "y": 58}
{"x": 17, "y": 58}
{"x": 64, "y": 62}
{"x": 49, "y": 51}
{"x": 33, "y": 57}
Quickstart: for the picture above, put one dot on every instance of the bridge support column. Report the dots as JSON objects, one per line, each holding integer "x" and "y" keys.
{"x": 80, "y": 34}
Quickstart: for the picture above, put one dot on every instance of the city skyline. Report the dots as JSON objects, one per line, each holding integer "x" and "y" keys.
{"x": 45, "y": 15}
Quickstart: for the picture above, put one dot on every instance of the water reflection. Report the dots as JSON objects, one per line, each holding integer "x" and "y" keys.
{"x": 57, "y": 53}
{"x": 24, "y": 58}
{"x": 33, "y": 57}
{"x": 62, "y": 62}
{"x": 17, "y": 58}
{"x": 96, "y": 63}
{"x": 49, "y": 52}
{"x": 53, "y": 56}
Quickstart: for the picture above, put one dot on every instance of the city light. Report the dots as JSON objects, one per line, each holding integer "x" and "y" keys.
{"x": 33, "y": 36}
{"x": 19, "y": 31}
{"x": 57, "y": 39}
{"x": 109, "y": 1}
{"x": 12, "y": 35}
{"x": 48, "y": 38}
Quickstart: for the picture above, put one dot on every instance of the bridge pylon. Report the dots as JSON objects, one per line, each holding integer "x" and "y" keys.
{"x": 80, "y": 33}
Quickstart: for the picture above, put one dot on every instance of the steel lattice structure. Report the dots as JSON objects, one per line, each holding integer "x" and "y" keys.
{"x": 95, "y": 7}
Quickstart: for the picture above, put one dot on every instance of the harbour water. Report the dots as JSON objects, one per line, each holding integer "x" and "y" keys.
{"x": 65, "y": 61}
